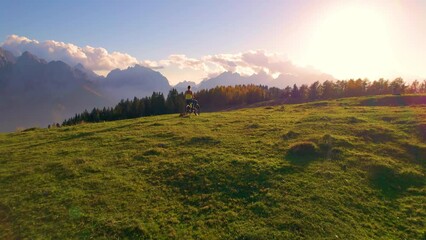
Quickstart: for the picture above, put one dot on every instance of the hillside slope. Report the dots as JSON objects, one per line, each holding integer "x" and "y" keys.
{"x": 322, "y": 170}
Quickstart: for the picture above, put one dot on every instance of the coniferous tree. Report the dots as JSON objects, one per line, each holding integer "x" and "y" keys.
{"x": 314, "y": 91}
{"x": 295, "y": 94}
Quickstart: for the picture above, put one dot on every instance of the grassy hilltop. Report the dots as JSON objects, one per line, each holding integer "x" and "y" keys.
{"x": 341, "y": 169}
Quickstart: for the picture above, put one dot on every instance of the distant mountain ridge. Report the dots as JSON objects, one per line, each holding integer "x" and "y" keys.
{"x": 134, "y": 81}
{"x": 299, "y": 76}
{"x": 34, "y": 92}
{"x": 6, "y": 58}
{"x": 182, "y": 86}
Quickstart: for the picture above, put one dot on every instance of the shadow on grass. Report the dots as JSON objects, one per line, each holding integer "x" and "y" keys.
{"x": 394, "y": 101}
{"x": 417, "y": 153}
{"x": 421, "y": 131}
{"x": 204, "y": 140}
{"x": 80, "y": 135}
{"x": 376, "y": 135}
{"x": 391, "y": 183}
{"x": 124, "y": 230}
{"x": 60, "y": 171}
{"x": 326, "y": 148}
{"x": 6, "y": 224}
{"x": 199, "y": 183}
{"x": 290, "y": 135}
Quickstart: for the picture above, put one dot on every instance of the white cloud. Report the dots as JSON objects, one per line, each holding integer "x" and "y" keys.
{"x": 244, "y": 63}
{"x": 102, "y": 61}
{"x": 96, "y": 59}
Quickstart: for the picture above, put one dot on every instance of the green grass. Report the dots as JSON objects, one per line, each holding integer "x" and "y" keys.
{"x": 322, "y": 170}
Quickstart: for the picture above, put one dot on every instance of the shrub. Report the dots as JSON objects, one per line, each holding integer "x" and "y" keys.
{"x": 303, "y": 152}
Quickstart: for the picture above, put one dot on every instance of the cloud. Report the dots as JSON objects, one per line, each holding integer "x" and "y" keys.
{"x": 96, "y": 59}
{"x": 101, "y": 61}
{"x": 244, "y": 63}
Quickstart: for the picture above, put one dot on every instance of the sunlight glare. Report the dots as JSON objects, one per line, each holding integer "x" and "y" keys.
{"x": 351, "y": 41}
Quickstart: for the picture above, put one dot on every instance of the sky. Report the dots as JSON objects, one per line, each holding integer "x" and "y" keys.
{"x": 195, "y": 39}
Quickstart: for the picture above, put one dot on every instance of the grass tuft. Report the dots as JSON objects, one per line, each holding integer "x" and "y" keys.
{"x": 290, "y": 135}
{"x": 204, "y": 140}
{"x": 302, "y": 153}
{"x": 376, "y": 135}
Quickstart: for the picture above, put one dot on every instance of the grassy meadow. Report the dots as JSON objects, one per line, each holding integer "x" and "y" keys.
{"x": 340, "y": 169}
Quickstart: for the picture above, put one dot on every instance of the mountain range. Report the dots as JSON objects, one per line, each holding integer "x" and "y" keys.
{"x": 34, "y": 92}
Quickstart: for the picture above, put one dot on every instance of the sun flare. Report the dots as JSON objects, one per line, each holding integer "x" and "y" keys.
{"x": 350, "y": 41}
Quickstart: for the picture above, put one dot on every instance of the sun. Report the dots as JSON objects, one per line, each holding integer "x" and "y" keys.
{"x": 351, "y": 41}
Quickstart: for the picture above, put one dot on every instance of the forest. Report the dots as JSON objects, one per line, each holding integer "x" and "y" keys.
{"x": 224, "y": 97}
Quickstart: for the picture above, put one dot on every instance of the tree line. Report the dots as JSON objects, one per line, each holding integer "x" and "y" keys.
{"x": 222, "y": 97}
